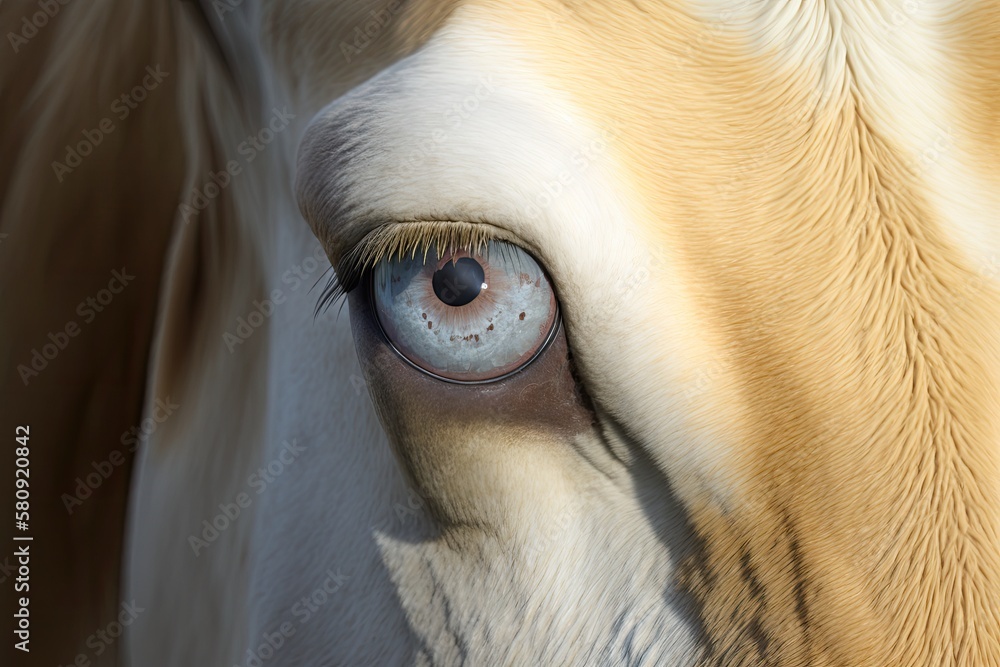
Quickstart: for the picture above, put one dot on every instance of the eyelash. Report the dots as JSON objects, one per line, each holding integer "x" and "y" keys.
{"x": 398, "y": 239}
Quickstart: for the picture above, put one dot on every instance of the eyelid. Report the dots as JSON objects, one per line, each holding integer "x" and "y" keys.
{"x": 407, "y": 237}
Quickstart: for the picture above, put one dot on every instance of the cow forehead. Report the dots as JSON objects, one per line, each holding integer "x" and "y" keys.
{"x": 707, "y": 94}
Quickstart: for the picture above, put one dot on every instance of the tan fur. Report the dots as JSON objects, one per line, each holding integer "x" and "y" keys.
{"x": 975, "y": 39}
{"x": 858, "y": 346}
{"x": 863, "y": 343}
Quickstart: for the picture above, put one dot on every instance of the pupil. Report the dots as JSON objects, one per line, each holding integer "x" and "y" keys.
{"x": 458, "y": 282}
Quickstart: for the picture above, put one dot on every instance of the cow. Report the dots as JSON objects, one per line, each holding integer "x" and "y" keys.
{"x": 509, "y": 332}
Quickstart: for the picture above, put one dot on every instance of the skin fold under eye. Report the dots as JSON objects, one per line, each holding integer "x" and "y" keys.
{"x": 466, "y": 316}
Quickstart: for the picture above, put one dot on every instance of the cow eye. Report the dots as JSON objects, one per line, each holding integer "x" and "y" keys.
{"x": 466, "y": 316}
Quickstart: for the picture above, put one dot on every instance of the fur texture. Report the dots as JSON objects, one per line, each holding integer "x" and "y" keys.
{"x": 769, "y": 430}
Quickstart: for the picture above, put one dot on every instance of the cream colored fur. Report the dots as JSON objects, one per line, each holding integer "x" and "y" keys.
{"x": 778, "y": 437}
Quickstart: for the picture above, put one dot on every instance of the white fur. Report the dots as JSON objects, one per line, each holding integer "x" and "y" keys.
{"x": 501, "y": 165}
{"x": 894, "y": 55}
{"x": 599, "y": 591}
